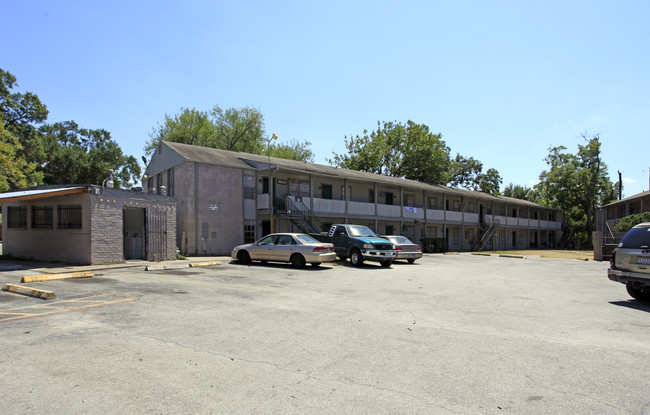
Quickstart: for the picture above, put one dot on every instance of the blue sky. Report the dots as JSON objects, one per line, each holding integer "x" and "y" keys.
{"x": 502, "y": 81}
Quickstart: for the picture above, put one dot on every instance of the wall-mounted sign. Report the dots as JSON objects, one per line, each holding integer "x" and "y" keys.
{"x": 213, "y": 207}
{"x": 282, "y": 181}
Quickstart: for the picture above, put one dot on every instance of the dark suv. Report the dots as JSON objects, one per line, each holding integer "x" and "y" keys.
{"x": 630, "y": 262}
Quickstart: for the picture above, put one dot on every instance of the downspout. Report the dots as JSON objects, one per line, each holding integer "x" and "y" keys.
{"x": 196, "y": 208}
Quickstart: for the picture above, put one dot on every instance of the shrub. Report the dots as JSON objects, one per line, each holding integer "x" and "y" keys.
{"x": 629, "y": 221}
{"x": 434, "y": 245}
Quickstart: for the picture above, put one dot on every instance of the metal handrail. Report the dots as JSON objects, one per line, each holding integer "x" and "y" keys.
{"x": 301, "y": 214}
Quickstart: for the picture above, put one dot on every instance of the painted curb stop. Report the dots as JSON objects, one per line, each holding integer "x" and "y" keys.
{"x": 29, "y": 292}
{"x": 204, "y": 264}
{"x": 52, "y": 277}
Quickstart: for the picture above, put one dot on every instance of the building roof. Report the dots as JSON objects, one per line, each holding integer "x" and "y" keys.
{"x": 629, "y": 199}
{"x": 40, "y": 192}
{"x": 249, "y": 161}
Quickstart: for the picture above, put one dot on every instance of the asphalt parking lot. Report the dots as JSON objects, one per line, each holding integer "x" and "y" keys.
{"x": 449, "y": 334}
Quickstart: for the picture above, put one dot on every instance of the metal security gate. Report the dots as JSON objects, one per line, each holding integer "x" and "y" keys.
{"x": 156, "y": 235}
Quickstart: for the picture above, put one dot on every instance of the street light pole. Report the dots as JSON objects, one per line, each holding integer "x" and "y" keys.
{"x": 271, "y": 201}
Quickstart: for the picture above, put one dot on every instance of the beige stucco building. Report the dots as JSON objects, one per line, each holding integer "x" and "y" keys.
{"x": 223, "y": 201}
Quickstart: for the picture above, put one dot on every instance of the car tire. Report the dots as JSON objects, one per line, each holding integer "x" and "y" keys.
{"x": 637, "y": 292}
{"x": 386, "y": 264}
{"x": 410, "y": 260}
{"x": 298, "y": 261}
{"x": 315, "y": 264}
{"x": 356, "y": 258}
{"x": 243, "y": 257}
{"x": 343, "y": 258}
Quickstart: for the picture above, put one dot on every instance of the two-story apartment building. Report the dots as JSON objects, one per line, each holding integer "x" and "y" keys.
{"x": 227, "y": 198}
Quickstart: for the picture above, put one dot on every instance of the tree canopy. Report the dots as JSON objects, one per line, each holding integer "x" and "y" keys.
{"x": 467, "y": 172}
{"x": 32, "y": 152}
{"x": 413, "y": 152}
{"x": 520, "y": 192}
{"x": 79, "y": 155}
{"x": 406, "y": 150}
{"x": 576, "y": 184}
{"x": 234, "y": 129}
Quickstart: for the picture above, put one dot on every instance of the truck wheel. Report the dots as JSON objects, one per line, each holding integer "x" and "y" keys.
{"x": 243, "y": 257}
{"x": 298, "y": 261}
{"x": 637, "y": 292}
{"x": 386, "y": 264}
{"x": 356, "y": 258}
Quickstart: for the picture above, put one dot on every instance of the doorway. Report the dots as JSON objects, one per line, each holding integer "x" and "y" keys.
{"x": 133, "y": 229}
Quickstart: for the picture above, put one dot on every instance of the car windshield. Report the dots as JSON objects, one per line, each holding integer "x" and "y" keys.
{"x": 306, "y": 239}
{"x": 636, "y": 237}
{"x": 361, "y": 231}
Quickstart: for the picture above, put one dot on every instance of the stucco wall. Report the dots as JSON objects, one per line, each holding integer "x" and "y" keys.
{"x": 51, "y": 245}
{"x": 210, "y": 210}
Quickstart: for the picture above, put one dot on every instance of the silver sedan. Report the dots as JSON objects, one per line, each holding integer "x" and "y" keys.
{"x": 296, "y": 248}
{"x": 405, "y": 248}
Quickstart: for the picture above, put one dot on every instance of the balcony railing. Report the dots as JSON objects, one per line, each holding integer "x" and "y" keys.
{"x": 329, "y": 207}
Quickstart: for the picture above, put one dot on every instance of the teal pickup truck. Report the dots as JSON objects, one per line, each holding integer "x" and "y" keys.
{"x": 359, "y": 244}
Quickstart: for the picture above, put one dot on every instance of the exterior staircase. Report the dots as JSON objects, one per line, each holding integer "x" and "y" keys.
{"x": 299, "y": 214}
{"x": 486, "y": 232}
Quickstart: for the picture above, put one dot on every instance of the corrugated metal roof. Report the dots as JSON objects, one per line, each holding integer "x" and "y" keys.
{"x": 40, "y": 193}
{"x": 249, "y": 161}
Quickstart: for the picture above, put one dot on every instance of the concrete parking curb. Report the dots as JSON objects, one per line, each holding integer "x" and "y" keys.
{"x": 204, "y": 264}
{"x": 512, "y": 256}
{"x": 180, "y": 266}
{"x": 164, "y": 267}
{"x": 30, "y": 292}
{"x": 51, "y": 277}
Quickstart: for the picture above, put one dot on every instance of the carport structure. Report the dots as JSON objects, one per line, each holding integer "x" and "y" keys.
{"x": 87, "y": 224}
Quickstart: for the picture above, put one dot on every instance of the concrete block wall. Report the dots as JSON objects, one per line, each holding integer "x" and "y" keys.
{"x": 107, "y": 230}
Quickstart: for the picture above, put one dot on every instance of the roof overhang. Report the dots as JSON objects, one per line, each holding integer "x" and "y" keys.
{"x": 40, "y": 193}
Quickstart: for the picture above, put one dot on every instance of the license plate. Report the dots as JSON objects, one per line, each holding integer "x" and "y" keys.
{"x": 643, "y": 260}
{"x": 411, "y": 255}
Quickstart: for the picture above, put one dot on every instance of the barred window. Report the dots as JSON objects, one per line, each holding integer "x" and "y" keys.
{"x": 249, "y": 231}
{"x": 69, "y": 217}
{"x": 42, "y": 217}
{"x": 17, "y": 217}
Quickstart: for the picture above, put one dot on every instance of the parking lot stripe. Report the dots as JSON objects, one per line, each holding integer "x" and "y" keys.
{"x": 60, "y": 307}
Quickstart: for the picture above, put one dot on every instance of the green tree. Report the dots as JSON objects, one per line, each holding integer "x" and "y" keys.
{"x": 190, "y": 126}
{"x": 238, "y": 129}
{"x": 234, "y": 129}
{"x": 20, "y": 115}
{"x": 577, "y": 184}
{"x": 14, "y": 169}
{"x": 294, "y": 150}
{"x": 520, "y": 192}
{"x": 467, "y": 172}
{"x": 79, "y": 155}
{"x": 410, "y": 151}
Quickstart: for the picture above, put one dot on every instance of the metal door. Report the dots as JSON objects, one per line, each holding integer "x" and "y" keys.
{"x": 156, "y": 235}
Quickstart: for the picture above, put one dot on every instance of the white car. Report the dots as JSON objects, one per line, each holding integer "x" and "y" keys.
{"x": 296, "y": 248}
{"x": 405, "y": 248}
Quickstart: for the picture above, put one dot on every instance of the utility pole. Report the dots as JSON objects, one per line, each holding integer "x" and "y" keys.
{"x": 620, "y": 186}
